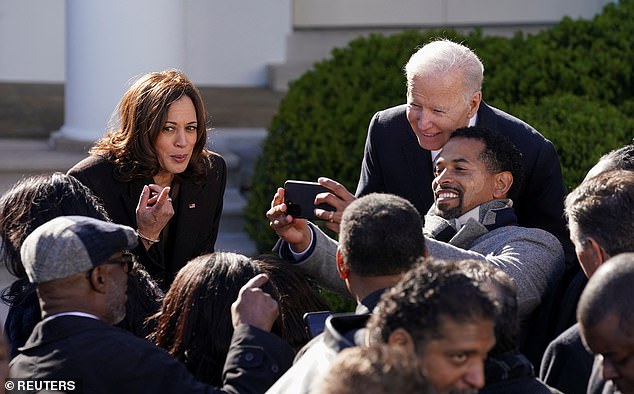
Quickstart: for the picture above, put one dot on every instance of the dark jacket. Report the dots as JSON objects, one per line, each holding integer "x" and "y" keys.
{"x": 193, "y": 229}
{"x": 24, "y": 313}
{"x": 512, "y": 373}
{"x": 101, "y": 358}
{"x": 567, "y": 364}
{"x": 394, "y": 162}
{"x": 141, "y": 303}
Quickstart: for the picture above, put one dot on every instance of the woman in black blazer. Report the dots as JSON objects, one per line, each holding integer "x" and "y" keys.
{"x": 153, "y": 173}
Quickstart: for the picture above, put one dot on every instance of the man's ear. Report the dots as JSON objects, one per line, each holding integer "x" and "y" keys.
{"x": 342, "y": 267}
{"x": 474, "y": 103}
{"x": 592, "y": 256}
{"x": 97, "y": 278}
{"x": 400, "y": 337}
{"x": 503, "y": 182}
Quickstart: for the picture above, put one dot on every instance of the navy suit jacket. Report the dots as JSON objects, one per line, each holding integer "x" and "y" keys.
{"x": 393, "y": 162}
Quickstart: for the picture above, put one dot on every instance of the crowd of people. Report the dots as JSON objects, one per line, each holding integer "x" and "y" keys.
{"x": 471, "y": 268}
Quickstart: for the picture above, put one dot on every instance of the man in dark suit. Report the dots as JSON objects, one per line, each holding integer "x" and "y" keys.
{"x": 80, "y": 265}
{"x": 601, "y": 222}
{"x": 444, "y": 81}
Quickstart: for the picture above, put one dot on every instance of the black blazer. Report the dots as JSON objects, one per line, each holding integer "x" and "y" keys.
{"x": 192, "y": 230}
{"x": 393, "y": 162}
{"x": 100, "y": 358}
{"x": 566, "y": 364}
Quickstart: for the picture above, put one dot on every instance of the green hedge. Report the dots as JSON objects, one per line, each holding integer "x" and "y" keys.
{"x": 573, "y": 82}
{"x": 581, "y": 130}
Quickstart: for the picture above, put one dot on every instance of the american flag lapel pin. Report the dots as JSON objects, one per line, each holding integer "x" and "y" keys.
{"x": 192, "y": 205}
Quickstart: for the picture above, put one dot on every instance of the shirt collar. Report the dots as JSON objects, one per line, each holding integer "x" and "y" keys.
{"x": 472, "y": 122}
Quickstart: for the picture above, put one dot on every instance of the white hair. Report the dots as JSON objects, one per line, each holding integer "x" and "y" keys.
{"x": 443, "y": 56}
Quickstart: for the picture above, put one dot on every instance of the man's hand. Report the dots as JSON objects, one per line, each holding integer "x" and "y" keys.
{"x": 295, "y": 231}
{"x": 254, "y": 306}
{"x": 340, "y": 198}
{"x": 153, "y": 211}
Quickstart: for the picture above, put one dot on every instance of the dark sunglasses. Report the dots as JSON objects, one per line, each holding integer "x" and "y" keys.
{"x": 126, "y": 260}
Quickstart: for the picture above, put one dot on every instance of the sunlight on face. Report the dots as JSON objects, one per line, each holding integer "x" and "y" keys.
{"x": 436, "y": 107}
{"x": 455, "y": 362}
{"x": 175, "y": 142}
{"x": 462, "y": 179}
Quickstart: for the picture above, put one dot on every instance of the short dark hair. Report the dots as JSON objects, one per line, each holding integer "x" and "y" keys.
{"x": 431, "y": 291}
{"x": 609, "y": 292}
{"x": 499, "y": 153}
{"x": 601, "y": 207}
{"x": 504, "y": 292}
{"x": 381, "y": 234}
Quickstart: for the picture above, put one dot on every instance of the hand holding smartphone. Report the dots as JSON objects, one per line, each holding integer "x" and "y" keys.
{"x": 299, "y": 197}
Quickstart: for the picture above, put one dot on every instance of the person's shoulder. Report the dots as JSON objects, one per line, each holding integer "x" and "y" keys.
{"x": 539, "y": 233}
{"x": 215, "y": 161}
{"x": 389, "y": 114}
{"x": 121, "y": 343}
{"x": 533, "y": 235}
{"x": 513, "y": 231}
{"x": 390, "y": 126}
{"x": 511, "y": 125}
{"x": 487, "y": 110}
{"x": 91, "y": 163}
{"x": 571, "y": 336}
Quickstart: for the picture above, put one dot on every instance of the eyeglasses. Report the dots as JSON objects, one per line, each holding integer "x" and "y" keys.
{"x": 126, "y": 260}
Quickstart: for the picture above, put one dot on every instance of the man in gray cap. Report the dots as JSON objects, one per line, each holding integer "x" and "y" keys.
{"x": 80, "y": 266}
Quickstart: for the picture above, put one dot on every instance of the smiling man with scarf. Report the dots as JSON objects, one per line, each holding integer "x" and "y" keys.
{"x": 477, "y": 173}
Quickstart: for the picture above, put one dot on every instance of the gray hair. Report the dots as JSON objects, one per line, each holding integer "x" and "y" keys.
{"x": 442, "y": 56}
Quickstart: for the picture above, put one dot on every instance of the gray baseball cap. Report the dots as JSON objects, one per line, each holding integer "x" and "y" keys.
{"x": 68, "y": 245}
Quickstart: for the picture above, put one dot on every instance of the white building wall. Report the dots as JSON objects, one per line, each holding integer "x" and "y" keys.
{"x": 32, "y": 41}
{"x": 230, "y": 42}
{"x": 227, "y": 42}
{"x": 415, "y": 13}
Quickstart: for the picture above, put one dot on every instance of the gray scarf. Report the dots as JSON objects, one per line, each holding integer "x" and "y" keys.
{"x": 492, "y": 214}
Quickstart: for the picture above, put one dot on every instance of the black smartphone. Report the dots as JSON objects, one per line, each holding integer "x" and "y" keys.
{"x": 316, "y": 321}
{"x": 299, "y": 197}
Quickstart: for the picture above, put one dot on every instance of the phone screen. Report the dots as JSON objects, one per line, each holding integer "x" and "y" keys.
{"x": 316, "y": 321}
